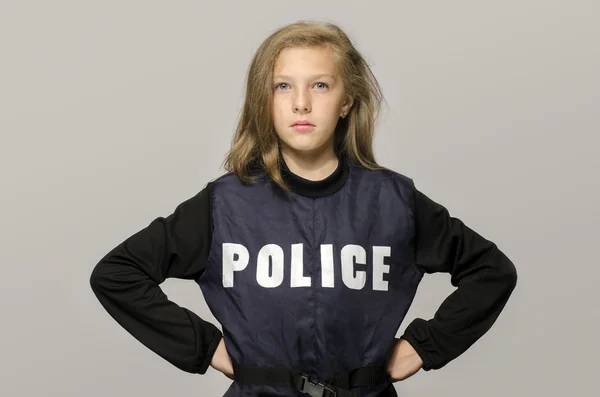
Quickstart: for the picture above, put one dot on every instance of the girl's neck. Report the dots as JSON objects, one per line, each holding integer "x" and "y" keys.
{"x": 314, "y": 166}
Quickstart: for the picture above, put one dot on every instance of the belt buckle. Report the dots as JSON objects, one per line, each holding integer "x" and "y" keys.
{"x": 315, "y": 388}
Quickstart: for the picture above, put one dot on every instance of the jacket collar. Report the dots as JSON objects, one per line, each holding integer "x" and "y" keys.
{"x": 316, "y": 189}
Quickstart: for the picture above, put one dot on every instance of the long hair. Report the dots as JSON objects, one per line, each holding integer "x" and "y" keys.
{"x": 255, "y": 143}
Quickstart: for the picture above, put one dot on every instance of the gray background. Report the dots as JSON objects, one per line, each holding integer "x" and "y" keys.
{"x": 113, "y": 112}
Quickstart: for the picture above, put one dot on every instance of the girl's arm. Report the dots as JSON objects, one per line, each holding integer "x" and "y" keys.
{"x": 126, "y": 282}
{"x": 485, "y": 278}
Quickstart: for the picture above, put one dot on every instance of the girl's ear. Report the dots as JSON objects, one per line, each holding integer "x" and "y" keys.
{"x": 347, "y": 105}
{"x": 349, "y": 101}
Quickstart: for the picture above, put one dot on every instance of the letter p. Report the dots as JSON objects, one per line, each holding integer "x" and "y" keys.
{"x": 231, "y": 264}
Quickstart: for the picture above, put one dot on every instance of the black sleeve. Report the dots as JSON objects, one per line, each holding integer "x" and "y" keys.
{"x": 126, "y": 282}
{"x": 483, "y": 275}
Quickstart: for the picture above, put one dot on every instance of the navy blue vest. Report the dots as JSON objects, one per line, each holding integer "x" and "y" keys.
{"x": 318, "y": 284}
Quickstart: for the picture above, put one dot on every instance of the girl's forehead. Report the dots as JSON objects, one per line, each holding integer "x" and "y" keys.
{"x": 301, "y": 61}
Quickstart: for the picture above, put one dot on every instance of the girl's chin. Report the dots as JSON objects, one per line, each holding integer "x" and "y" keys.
{"x": 303, "y": 147}
{"x": 304, "y": 143}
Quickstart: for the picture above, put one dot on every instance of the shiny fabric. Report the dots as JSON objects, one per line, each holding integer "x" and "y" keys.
{"x": 316, "y": 284}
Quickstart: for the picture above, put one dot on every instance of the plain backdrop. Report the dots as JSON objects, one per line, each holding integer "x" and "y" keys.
{"x": 114, "y": 112}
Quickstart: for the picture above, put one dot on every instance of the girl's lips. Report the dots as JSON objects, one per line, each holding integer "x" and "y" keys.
{"x": 303, "y": 127}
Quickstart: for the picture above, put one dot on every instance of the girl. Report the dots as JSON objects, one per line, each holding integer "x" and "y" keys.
{"x": 307, "y": 252}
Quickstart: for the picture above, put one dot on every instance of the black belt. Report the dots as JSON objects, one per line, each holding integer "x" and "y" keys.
{"x": 286, "y": 377}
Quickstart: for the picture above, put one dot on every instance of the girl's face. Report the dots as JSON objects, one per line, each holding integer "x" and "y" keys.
{"x": 307, "y": 87}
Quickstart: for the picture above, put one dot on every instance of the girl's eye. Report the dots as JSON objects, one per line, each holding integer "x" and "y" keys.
{"x": 324, "y": 85}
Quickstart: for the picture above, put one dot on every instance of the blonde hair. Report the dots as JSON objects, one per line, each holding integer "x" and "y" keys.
{"x": 255, "y": 144}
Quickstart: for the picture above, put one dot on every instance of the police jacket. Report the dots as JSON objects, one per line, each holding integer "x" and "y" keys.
{"x": 315, "y": 282}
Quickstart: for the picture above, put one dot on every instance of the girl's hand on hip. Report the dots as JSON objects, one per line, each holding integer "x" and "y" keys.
{"x": 221, "y": 360}
{"x": 403, "y": 361}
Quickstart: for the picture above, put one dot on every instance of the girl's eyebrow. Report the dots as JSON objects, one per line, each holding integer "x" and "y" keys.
{"x": 280, "y": 76}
